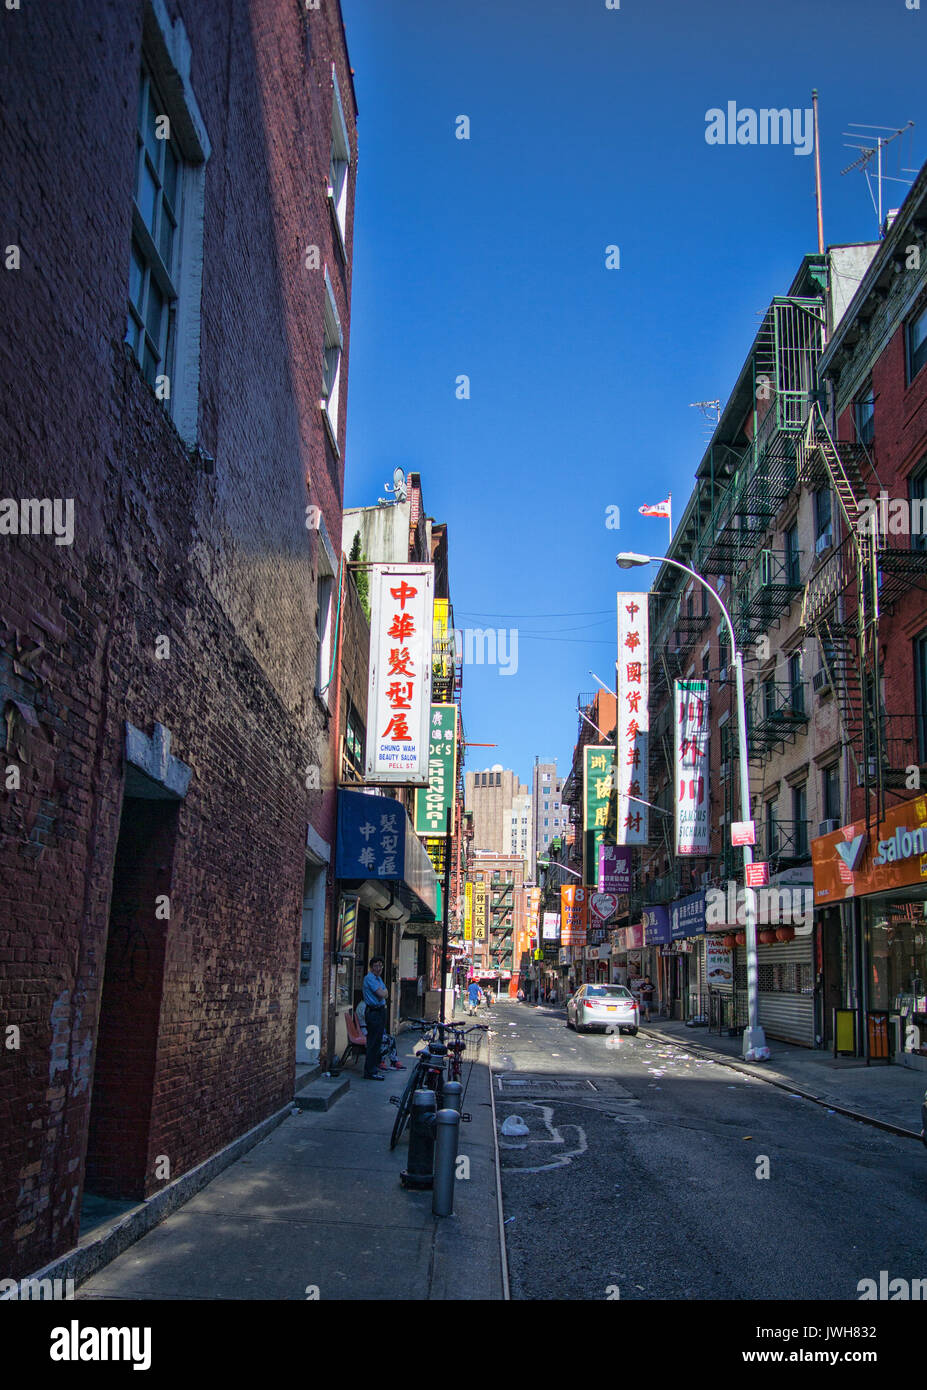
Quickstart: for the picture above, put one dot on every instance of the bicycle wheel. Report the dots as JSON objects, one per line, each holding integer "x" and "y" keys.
{"x": 404, "y": 1108}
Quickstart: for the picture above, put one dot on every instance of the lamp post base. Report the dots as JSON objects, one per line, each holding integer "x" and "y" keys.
{"x": 755, "y": 1049}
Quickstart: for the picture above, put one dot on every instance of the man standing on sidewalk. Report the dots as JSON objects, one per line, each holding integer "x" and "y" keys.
{"x": 375, "y": 1018}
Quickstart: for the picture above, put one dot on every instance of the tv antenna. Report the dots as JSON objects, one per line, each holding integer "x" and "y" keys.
{"x": 868, "y": 150}
{"x": 711, "y": 411}
{"x": 398, "y": 489}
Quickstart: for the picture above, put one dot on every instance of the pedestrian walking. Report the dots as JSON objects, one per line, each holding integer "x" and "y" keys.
{"x": 474, "y": 997}
{"x": 647, "y": 990}
{"x": 375, "y": 1018}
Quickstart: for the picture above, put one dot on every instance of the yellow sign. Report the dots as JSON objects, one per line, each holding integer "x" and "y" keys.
{"x": 479, "y": 912}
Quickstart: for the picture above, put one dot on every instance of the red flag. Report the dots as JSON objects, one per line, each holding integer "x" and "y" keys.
{"x": 658, "y": 509}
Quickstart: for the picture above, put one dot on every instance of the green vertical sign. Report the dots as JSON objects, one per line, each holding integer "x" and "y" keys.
{"x": 597, "y": 783}
{"x": 432, "y": 803}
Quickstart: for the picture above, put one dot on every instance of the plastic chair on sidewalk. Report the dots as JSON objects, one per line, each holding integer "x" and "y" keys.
{"x": 357, "y": 1043}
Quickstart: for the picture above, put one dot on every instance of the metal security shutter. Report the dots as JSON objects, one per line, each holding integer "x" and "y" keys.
{"x": 787, "y": 1014}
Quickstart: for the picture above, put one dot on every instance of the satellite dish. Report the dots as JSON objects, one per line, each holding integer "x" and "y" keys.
{"x": 399, "y": 478}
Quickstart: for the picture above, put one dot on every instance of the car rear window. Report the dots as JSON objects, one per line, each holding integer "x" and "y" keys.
{"x": 608, "y": 992}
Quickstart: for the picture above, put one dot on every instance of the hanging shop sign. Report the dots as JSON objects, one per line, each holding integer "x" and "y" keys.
{"x": 656, "y": 926}
{"x": 399, "y": 690}
{"x": 633, "y": 720}
{"x": 468, "y": 912}
{"x": 433, "y": 804}
{"x": 550, "y": 930}
{"x": 687, "y": 916}
{"x": 574, "y": 901}
{"x": 614, "y": 869}
{"x": 598, "y": 782}
{"x": 602, "y": 906}
{"x": 479, "y": 912}
{"x": 693, "y": 830}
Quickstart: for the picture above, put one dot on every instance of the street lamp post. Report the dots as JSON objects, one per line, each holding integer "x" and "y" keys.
{"x": 754, "y": 1042}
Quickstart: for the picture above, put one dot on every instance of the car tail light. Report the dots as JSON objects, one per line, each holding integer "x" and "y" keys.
{"x": 589, "y": 1003}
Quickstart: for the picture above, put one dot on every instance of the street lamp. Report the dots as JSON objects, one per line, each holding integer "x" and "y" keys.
{"x": 754, "y": 1044}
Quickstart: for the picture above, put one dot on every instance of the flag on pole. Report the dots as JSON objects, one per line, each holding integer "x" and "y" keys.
{"x": 657, "y": 509}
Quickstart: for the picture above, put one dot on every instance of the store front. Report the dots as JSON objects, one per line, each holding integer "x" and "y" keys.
{"x": 657, "y": 935}
{"x": 384, "y": 879}
{"x": 681, "y": 957}
{"x": 786, "y": 967}
{"x": 880, "y": 880}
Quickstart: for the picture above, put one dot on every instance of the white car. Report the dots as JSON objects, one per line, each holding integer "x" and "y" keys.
{"x": 603, "y": 1006}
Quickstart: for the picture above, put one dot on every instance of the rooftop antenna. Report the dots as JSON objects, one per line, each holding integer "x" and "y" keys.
{"x": 867, "y": 149}
{"x": 711, "y": 410}
{"x": 399, "y": 489}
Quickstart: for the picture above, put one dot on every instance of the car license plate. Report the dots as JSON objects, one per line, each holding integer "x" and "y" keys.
{"x": 611, "y": 1008}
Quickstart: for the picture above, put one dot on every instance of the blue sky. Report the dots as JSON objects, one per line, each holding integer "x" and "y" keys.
{"x": 487, "y": 257}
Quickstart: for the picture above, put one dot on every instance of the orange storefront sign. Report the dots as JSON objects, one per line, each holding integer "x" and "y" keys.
{"x": 573, "y": 909}
{"x": 851, "y": 862}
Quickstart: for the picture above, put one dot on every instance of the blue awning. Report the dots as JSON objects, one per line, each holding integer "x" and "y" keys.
{"x": 376, "y": 841}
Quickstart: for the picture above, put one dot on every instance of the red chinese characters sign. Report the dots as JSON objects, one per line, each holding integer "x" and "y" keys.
{"x": 633, "y": 730}
{"x": 399, "y": 695}
{"x": 693, "y": 827}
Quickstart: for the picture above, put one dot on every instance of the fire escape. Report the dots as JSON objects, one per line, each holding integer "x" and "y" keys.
{"x": 861, "y": 577}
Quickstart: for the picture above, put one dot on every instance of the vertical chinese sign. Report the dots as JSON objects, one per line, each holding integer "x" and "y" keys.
{"x": 573, "y": 919}
{"x": 693, "y": 830}
{"x": 479, "y": 916}
{"x": 598, "y": 765}
{"x": 432, "y": 805}
{"x": 633, "y": 729}
{"x": 399, "y": 694}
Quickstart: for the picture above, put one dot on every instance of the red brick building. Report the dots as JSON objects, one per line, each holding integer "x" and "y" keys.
{"x": 178, "y": 194}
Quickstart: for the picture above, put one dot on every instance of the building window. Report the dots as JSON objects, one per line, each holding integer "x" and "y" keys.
{"x": 155, "y": 263}
{"x": 323, "y": 627}
{"x": 864, "y": 415}
{"x": 917, "y": 497}
{"x": 339, "y": 164}
{"x": 917, "y": 343}
{"x": 920, "y": 679}
{"x": 792, "y": 557}
{"x": 769, "y": 697}
{"x": 772, "y": 830}
{"x": 479, "y": 878}
{"x": 822, "y": 512}
{"x": 800, "y": 820}
{"x": 796, "y": 684}
{"x": 333, "y": 346}
{"x": 165, "y": 255}
{"x": 830, "y": 792}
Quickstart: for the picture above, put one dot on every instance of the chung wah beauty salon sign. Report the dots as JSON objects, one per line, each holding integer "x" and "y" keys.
{"x": 693, "y": 832}
{"x": 399, "y": 692}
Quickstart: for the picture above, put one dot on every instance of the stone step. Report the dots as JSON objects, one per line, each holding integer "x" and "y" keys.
{"x": 321, "y": 1092}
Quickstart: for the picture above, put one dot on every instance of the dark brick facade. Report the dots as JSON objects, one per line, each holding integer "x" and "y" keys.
{"x": 193, "y": 1037}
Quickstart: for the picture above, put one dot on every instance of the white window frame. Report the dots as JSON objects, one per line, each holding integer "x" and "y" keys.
{"x": 339, "y": 167}
{"x": 324, "y": 626}
{"x": 167, "y": 55}
{"x": 332, "y": 352}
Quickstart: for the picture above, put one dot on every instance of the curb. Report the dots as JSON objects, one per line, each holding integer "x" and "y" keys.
{"x": 782, "y": 1083}
{"x": 503, "y": 1250}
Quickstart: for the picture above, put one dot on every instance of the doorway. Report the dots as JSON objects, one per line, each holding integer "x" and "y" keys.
{"x": 122, "y": 1097}
{"x": 311, "y": 960}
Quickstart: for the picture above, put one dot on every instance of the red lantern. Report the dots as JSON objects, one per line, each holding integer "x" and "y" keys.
{"x": 785, "y": 933}
{"x": 729, "y": 942}
{"x": 767, "y": 937}
{"x": 741, "y": 938}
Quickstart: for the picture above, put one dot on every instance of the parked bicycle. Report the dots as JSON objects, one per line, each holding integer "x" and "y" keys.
{"x": 435, "y": 1058}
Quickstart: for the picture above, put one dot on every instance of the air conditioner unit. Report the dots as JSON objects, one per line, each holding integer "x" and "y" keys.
{"x": 824, "y": 541}
{"x": 820, "y": 681}
{"x": 827, "y": 826}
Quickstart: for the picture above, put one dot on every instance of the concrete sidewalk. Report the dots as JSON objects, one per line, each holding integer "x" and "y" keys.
{"x": 888, "y": 1096}
{"x": 316, "y": 1211}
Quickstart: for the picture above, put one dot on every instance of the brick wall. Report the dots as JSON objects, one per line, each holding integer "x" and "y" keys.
{"x": 221, "y": 563}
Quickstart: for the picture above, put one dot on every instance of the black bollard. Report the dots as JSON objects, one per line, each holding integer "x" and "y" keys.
{"x": 420, "y": 1173}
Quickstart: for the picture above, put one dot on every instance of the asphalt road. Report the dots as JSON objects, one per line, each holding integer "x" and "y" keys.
{"x": 641, "y": 1176}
